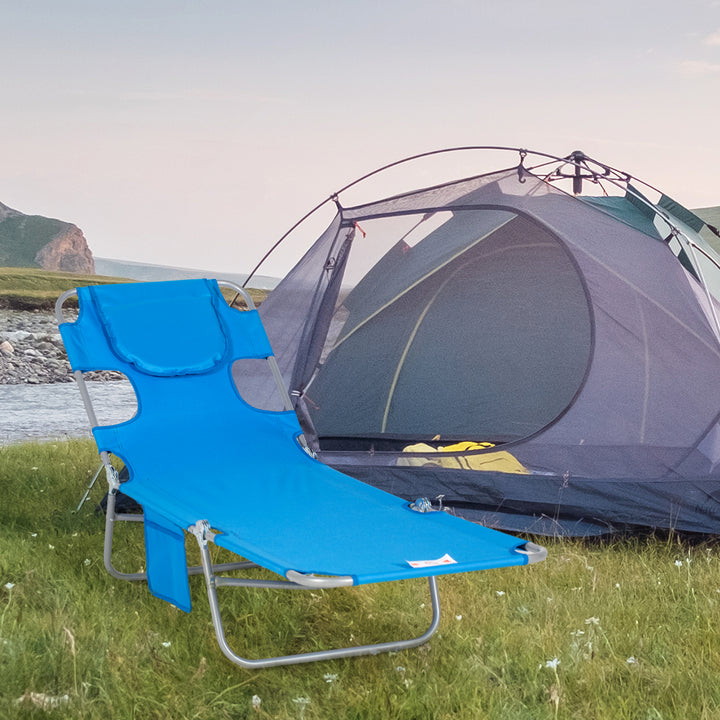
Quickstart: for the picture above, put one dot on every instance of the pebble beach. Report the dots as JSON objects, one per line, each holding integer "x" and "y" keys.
{"x": 38, "y": 399}
{"x": 31, "y": 350}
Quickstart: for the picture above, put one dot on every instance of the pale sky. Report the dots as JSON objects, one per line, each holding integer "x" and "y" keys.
{"x": 194, "y": 133}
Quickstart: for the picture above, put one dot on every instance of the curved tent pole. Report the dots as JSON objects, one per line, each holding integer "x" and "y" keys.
{"x": 682, "y": 237}
{"x": 278, "y": 242}
{"x": 577, "y": 159}
{"x": 581, "y": 161}
{"x": 692, "y": 247}
{"x": 419, "y": 156}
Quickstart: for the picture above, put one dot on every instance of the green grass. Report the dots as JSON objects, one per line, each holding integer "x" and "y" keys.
{"x": 621, "y": 629}
{"x": 37, "y": 289}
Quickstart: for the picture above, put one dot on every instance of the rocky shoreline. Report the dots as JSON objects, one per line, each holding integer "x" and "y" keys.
{"x": 32, "y": 351}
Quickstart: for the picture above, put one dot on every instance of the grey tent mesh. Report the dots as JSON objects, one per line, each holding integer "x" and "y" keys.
{"x": 573, "y": 334}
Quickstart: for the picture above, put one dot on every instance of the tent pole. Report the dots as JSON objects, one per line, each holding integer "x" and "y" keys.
{"x": 711, "y": 301}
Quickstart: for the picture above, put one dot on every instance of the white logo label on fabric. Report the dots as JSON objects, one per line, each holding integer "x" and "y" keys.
{"x": 444, "y": 560}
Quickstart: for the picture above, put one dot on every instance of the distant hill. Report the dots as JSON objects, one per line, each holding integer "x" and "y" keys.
{"x": 34, "y": 241}
{"x": 149, "y": 273}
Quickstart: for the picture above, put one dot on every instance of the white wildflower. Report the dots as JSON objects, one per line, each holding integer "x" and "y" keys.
{"x": 33, "y": 534}
{"x": 330, "y": 677}
{"x": 678, "y": 563}
{"x": 52, "y": 547}
{"x": 70, "y": 639}
{"x": 400, "y": 669}
{"x": 303, "y": 702}
{"x": 577, "y": 633}
{"x": 166, "y": 644}
{"x": 499, "y": 593}
{"x": 9, "y": 586}
{"x": 592, "y": 621}
{"x": 632, "y": 660}
{"x": 552, "y": 664}
{"x": 87, "y": 561}
{"x": 458, "y": 617}
{"x": 256, "y": 702}
{"x": 617, "y": 585}
{"x": 43, "y": 701}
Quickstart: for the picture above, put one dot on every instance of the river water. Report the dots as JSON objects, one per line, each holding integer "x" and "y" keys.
{"x": 56, "y": 411}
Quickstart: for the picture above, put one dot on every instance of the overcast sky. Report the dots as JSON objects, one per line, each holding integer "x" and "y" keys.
{"x": 195, "y": 132}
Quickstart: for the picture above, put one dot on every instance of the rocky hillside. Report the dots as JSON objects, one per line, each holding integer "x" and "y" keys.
{"x": 37, "y": 241}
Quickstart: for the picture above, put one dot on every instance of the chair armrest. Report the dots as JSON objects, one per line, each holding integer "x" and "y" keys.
{"x": 316, "y": 581}
{"x": 535, "y": 553}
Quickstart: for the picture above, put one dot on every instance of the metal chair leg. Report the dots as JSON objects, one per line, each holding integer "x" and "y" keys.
{"x": 212, "y": 583}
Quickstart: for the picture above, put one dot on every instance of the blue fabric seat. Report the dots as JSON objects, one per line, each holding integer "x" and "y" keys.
{"x": 202, "y": 459}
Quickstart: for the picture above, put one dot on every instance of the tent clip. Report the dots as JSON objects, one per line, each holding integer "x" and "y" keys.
{"x": 422, "y": 505}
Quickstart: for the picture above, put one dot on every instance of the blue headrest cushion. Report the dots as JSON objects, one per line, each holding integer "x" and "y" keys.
{"x": 161, "y": 328}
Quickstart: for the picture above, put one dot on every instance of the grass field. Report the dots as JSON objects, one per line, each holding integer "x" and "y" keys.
{"x": 617, "y": 629}
{"x": 37, "y": 289}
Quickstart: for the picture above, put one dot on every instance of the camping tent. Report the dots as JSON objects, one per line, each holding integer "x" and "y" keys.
{"x": 528, "y": 358}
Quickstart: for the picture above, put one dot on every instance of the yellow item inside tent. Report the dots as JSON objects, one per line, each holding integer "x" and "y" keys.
{"x": 498, "y": 461}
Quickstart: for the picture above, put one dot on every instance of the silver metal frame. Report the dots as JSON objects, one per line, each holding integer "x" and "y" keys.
{"x": 534, "y": 552}
{"x": 203, "y": 534}
{"x": 299, "y": 582}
